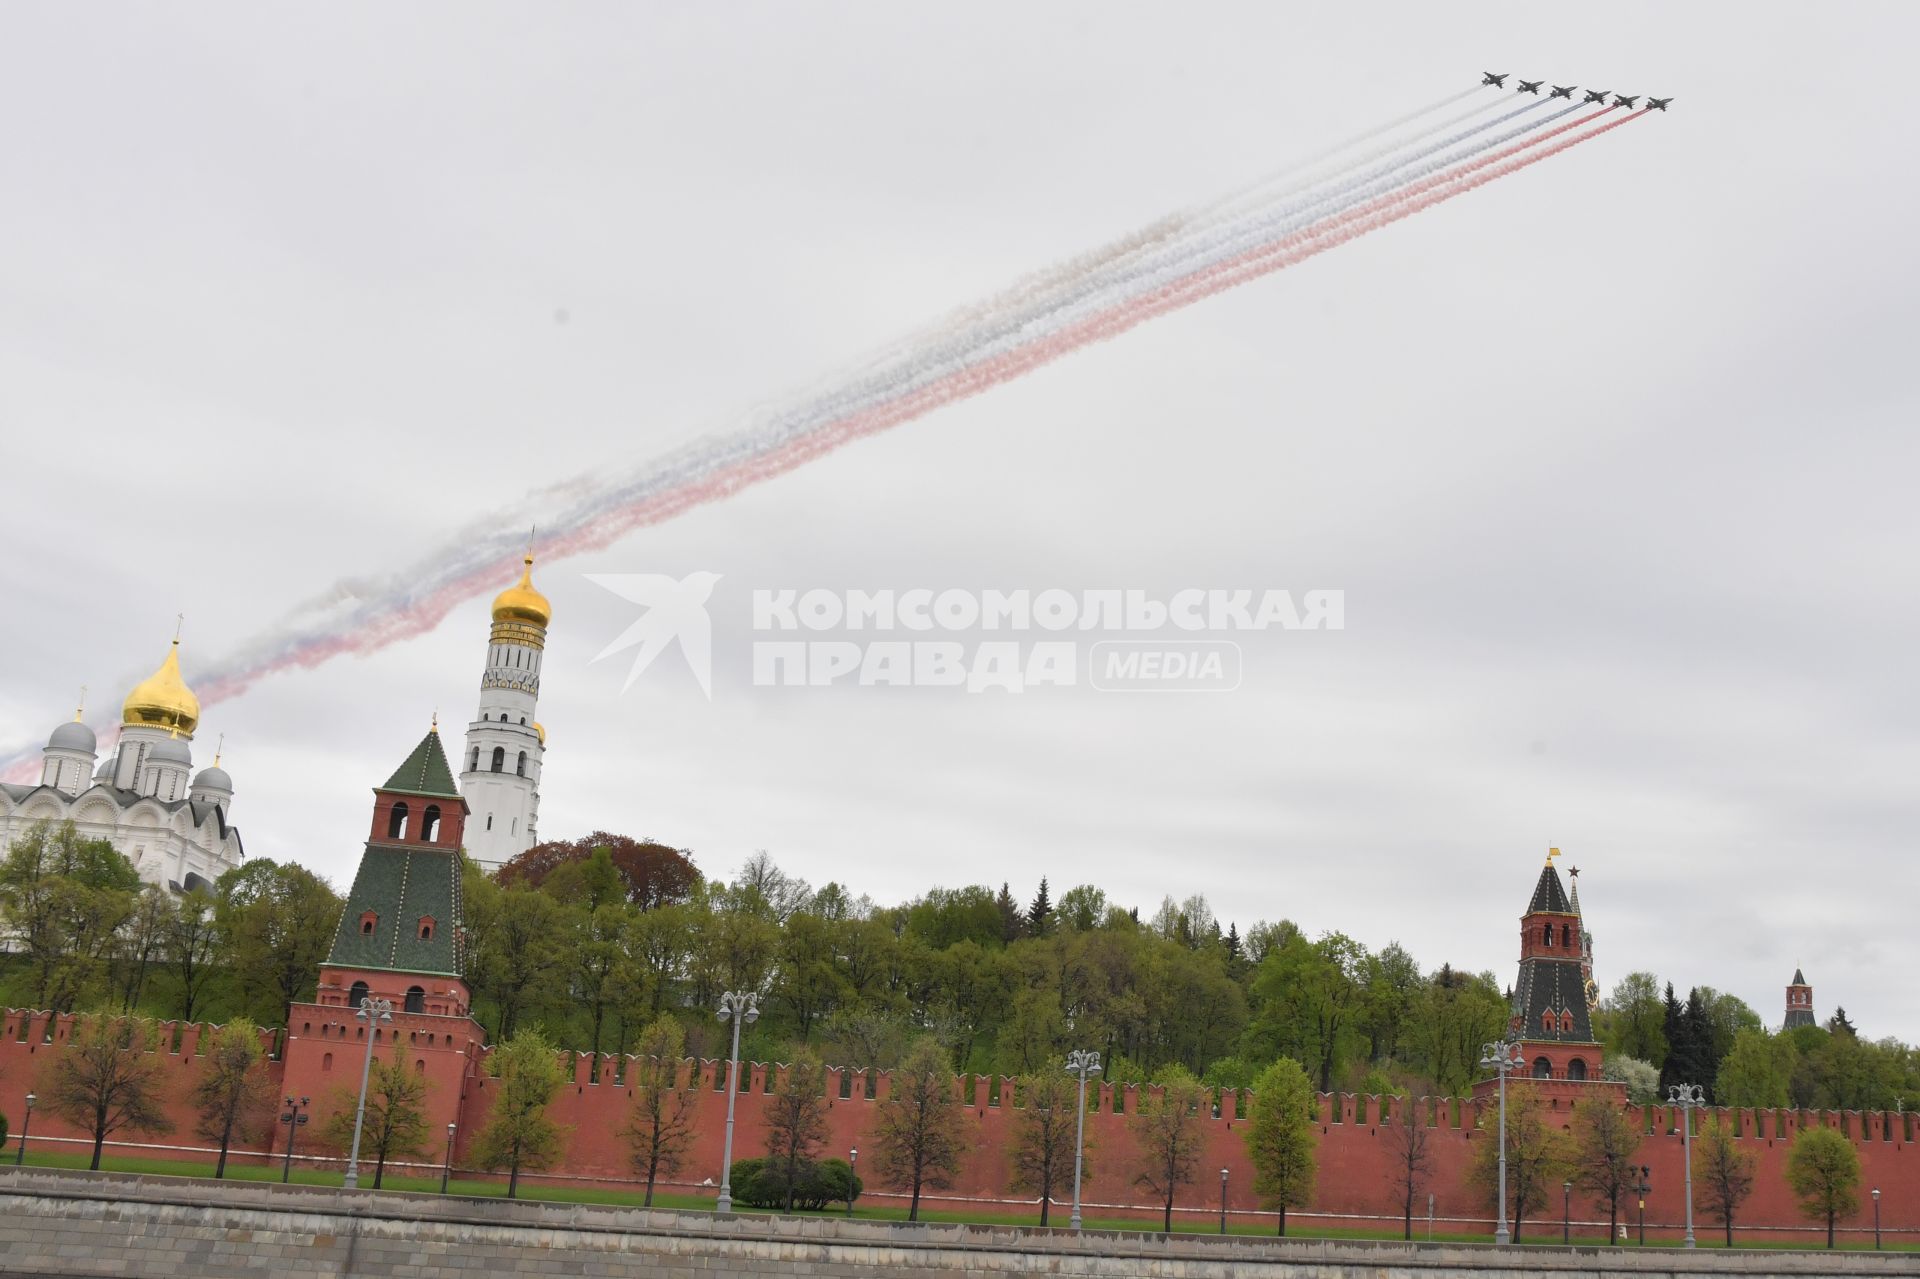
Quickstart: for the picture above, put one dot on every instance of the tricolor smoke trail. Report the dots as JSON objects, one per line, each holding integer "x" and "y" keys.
{"x": 1169, "y": 264}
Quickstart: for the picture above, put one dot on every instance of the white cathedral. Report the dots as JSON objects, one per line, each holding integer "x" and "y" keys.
{"x": 175, "y": 831}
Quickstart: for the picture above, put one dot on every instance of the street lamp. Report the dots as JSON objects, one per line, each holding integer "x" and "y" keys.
{"x": 294, "y": 1121}
{"x": 853, "y": 1175}
{"x": 1641, "y": 1188}
{"x": 1876, "y": 1205}
{"x": 373, "y": 1012}
{"x": 736, "y": 1006}
{"x": 20, "y": 1155}
{"x": 1566, "y": 1212}
{"x": 1503, "y": 1057}
{"x": 1687, "y": 1096}
{"x": 1082, "y": 1064}
{"x": 446, "y": 1168}
{"x": 1223, "y": 1201}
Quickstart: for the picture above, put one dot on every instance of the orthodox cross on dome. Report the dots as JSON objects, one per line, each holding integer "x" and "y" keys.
{"x": 81, "y": 710}
{"x": 179, "y": 623}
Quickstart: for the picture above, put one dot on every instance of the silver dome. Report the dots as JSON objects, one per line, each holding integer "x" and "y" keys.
{"x": 171, "y": 751}
{"x": 73, "y": 736}
{"x": 214, "y": 778}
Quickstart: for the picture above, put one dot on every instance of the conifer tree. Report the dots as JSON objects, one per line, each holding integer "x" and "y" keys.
{"x": 1040, "y": 914}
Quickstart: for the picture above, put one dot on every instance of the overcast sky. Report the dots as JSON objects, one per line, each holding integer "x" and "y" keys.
{"x": 1614, "y": 458}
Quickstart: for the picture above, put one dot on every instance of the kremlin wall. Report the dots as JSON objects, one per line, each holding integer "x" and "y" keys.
{"x": 1356, "y": 1187}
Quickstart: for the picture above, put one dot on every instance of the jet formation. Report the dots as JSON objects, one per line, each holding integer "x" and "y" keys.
{"x": 1498, "y": 79}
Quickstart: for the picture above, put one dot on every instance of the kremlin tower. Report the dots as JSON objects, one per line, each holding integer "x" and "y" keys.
{"x": 1799, "y": 1003}
{"x": 1552, "y": 1013}
{"x": 505, "y": 743}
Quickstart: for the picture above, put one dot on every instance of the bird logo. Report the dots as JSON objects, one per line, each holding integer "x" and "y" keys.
{"x": 675, "y": 610}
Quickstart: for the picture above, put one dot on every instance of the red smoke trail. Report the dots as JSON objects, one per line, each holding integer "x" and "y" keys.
{"x": 424, "y": 614}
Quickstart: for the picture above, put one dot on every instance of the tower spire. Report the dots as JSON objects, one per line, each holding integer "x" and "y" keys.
{"x": 80, "y": 711}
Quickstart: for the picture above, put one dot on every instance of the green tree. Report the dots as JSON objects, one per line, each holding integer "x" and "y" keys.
{"x": 234, "y": 1095}
{"x": 191, "y": 947}
{"x": 1824, "y": 1171}
{"x": 1280, "y": 1137}
{"x": 1040, "y": 913}
{"x": 1757, "y": 1071}
{"x": 1309, "y": 995}
{"x": 1636, "y": 1024}
{"x": 796, "y": 1119}
{"x": 109, "y": 1076}
{"x": 63, "y": 899}
{"x": 395, "y": 1124}
{"x": 518, "y": 1133}
{"x": 1723, "y": 1169}
{"x": 276, "y": 923}
{"x": 139, "y": 941}
{"x": 518, "y": 949}
{"x": 1642, "y": 1078}
{"x": 659, "y": 1129}
{"x": 1044, "y": 1130}
{"x": 920, "y": 1128}
{"x": 1166, "y": 1129}
{"x": 1537, "y": 1155}
{"x": 1604, "y": 1141}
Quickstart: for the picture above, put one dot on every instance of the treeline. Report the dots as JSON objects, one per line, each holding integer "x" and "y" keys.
{"x": 591, "y": 940}
{"x": 1715, "y": 1040}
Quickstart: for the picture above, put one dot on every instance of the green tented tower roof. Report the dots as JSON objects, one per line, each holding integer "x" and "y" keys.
{"x": 425, "y": 772}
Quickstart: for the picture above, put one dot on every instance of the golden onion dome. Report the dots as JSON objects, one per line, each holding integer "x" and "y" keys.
{"x": 521, "y": 603}
{"x": 162, "y": 699}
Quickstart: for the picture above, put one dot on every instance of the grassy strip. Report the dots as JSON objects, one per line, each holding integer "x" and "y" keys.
{"x": 702, "y": 1203}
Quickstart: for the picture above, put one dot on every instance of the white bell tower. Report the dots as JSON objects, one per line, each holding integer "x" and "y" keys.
{"x": 500, "y": 773}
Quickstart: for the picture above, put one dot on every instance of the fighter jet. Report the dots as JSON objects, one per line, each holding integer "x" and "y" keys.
{"x": 1656, "y": 104}
{"x": 1563, "y": 91}
{"x": 1497, "y": 81}
{"x": 1621, "y": 100}
{"x": 1530, "y": 86}
{"x": 1596, "y": 95}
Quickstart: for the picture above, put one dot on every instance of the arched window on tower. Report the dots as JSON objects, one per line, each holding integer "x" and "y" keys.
{"x": 1542, "y": 1068}
{"x": 520, "y": 769}
{"x": 1577, "y": 1069}
{"x": 1549, "y": 934}
{"x": 356, "y": 994}
{"x": 473, "y": 762}
{"x": 430, "y": 824}
{"x": 499, "y": 759}
{"x": 1546, "y": 1021}
{"x": 416, "y": 1000}
{"x": 397, "y": 821}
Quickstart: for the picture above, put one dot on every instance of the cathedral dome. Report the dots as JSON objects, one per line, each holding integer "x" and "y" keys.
{"x": 521, "y": 602}
{"x": 73, "y": 736}
{"x": 171, "y": 751}
{"x": 162, "y": 699}
{"x": 214, "y": 778}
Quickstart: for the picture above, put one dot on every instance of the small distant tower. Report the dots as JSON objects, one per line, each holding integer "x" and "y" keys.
{"x": 505, "y": 743}
{"x": 1799, "y": 1002}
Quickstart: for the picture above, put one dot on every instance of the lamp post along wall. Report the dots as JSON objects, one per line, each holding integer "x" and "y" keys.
{"x": 446, "y": 1167}
{"x": 26, "y": 1122}
{"x": 736, "y": 1006}
{"x": 1687, "y": 1096}
{"x": 1080, "y": 1063}
{"x": 1503, "y": 1057}
{"x": 293, "y": 1119}
{"x": 373, "y": 1012}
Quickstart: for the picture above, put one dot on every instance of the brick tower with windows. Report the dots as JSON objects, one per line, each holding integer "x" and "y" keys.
{"x": 1799, "y": 1003}
{"x": 400, "y": 939}
{"x": 1552, "y": 1012}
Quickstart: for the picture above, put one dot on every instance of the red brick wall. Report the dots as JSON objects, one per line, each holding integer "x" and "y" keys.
{"x": 1355, "y": 1183}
